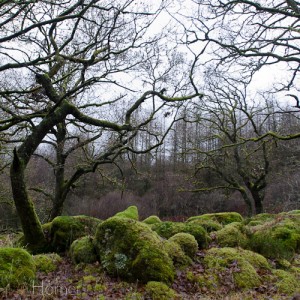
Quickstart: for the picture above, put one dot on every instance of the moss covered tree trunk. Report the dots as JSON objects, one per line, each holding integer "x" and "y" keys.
{"x": 32, "y": 229}
{"x": 33, "y": 233}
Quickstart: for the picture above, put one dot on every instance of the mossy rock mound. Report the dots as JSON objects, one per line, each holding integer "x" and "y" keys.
{"x": 131, "y": 250}
{"x": 168, "y": 229}
{"x": 159, "y": 291}
{"x": 175, "y": 252}
{"x": 66, "y": 229}
{"x": 83, "y": 251}
{"x": 187, "y": 243}
{"x": 17, "y": 267}
{"x": 152, "y": 220}
{"x": 223, "y": 218}
{"x": 260, "y": 219}
{"x": 47, "y": 262}
{"x": 131, "y": 213}
{"x": 232, "y": 235}
{"x": 278, "y": 239}
{"x": 286, "y": 282}
{"x": 208, "y": 225}
{"x": 245, "y": 266}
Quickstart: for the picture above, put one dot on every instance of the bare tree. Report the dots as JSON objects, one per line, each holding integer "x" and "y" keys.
{"x": 230, "y": 121}
{"x": 64, "y": 65}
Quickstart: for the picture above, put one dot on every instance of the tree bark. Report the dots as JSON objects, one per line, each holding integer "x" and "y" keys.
{"x": 34, "y": 238}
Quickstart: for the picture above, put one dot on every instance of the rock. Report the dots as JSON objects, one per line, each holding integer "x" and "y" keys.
{"x": 159, "y": 291}
{"x": 131, "y": 213}
{"x": 187, "y": 243}
{"x": 243, "y": 265}
{"x": 232, "y": 235}
{"x": 131, "y": 250}
{"x": 46, "y": 262}
{"x": 279, "y": 239}
{"x": 223, "y": 218}
{"x": 17, "y": 268}
{"x": 286, "y": 282}
{"x": 83, "y": 250}
{"x": 152, "y": 220}
{"x": 65, "y": 229}
{"x": 208, "y": 225}
{"x": 179, "y": 258}
{"x": 168, "y": 229}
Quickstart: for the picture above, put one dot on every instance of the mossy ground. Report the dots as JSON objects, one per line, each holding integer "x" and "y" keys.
{"x": 213, "y": 272}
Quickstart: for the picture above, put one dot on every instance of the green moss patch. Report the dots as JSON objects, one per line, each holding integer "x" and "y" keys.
{"x": 222, "y": 218}
{"x": 47, "y": 262}
{"x": 131, "y": 213}
{"x": 65, "y": 230}
{"x": 17, "y": 267}
{"x": 159, "y": 291}
{"x": 277, "y": 239}
{"x": 152, "y": 220}
{"x": 286, "y": 282}
{"x": 168, "y": 229}
{"x": 83, "y": 251}
{"x": 207, "y": 224}
{"x": 179, "y": 258}
{"x": 131, "y": 250}
{"x": 232, "y": 235}
{"x": 243, "y": 264}
{"x": 187, "y": 243}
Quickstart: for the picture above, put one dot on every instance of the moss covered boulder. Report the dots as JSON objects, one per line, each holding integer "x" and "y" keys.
{"x": 207, "y": 224}
{"x": 223, "y": 218}
{"x": 83, "y": 250}
{"x": 244, "y": 265}
{"x": 131, "y": 213}
{"x": 152, "y": 220}
{"x": 47, "y": 262}
{"x": 168, "y": 229}
{"x": 232, "y": 235}
{"x": 66, "y": 229}
{"x": 159, "y": 291}
{"x": 131, "y": 250}
{"x": 286, "y": 282}
{"x": 279, "y": 239}
{"x": 17, "y": 267}
{"x": 187, "y": 243}
{"x": 175, "y": 252}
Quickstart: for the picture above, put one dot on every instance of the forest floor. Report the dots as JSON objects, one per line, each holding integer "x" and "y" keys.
{"x": 71, "y": 281}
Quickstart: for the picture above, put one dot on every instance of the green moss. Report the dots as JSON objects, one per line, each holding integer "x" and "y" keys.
{"x": 262, "y": 218}
{"x": 187, "y": 243}
{"x": 159, "y": 291}
{"x": 208, "y": 281}
{"x": 286, "y": 282}
{"x": 82, "y": 250}
{"x": 16, "y": 267}
{"x": 168, "y": 229}
{"x": 47, "y": 262}
{"x": 65, "y": 230}
{"x": 247, "y": 263}
{"x": 130, "y": 249}
{"x": 277, "y": 240}
{"x": 179, "y": 258}
{"x": 131, "y": 212}
{"x": 152, "y": 220}
{"x": 231, "y": 236}
{"x": 208, "y": 225}
{"x": 222, "y": 218}
{"x": 134, "y": 296}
